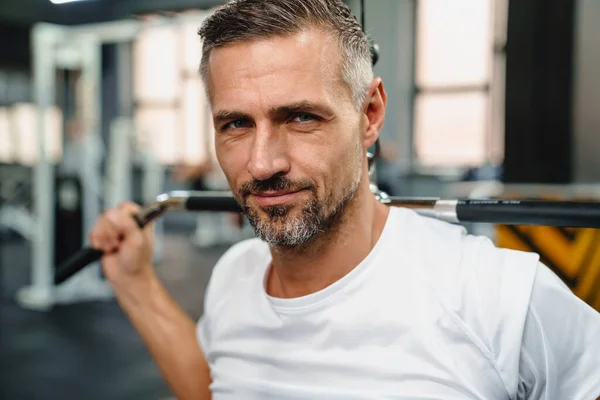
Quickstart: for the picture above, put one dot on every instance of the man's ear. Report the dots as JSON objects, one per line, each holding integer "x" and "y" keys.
{"x": 374, "y": 112}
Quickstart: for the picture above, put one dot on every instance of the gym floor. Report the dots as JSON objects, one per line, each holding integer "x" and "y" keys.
{"x": 88, "y": 351}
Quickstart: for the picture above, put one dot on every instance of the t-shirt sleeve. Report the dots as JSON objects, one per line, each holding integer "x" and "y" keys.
{"x": 560, "y": 351}
{"x": 202, "y": 335}
{"x": 218, "y": 290}
{"x": 210, "y": 297}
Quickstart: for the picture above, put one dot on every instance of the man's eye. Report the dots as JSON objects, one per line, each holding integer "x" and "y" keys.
{"x": 237, "y": 124}
{"x": 304, "y": 118}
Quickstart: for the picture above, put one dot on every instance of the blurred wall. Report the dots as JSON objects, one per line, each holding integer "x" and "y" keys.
{"x": 390, "y": 23}
{"x": 586, "y": 97}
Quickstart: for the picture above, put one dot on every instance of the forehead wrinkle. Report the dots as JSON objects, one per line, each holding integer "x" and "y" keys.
{"x": 325, "y": 58}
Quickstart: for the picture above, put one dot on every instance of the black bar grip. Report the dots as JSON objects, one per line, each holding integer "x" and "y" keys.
{"x": 573, "y": 214}
{"x": 212, "y": 203}
{"x": 86, "y": 256}
{"x": 76, "y": 263}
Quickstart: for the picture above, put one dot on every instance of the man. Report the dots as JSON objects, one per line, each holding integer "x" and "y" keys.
{"x": 339, "y": 297}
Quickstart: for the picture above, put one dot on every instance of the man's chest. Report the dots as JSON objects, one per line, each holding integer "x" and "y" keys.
{"x": 386, "y": 353}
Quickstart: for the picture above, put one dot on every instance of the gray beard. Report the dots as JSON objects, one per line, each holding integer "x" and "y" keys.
{"x": 316, "y": 218}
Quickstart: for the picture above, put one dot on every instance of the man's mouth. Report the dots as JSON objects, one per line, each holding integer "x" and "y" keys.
{"x": 275, "y": 198}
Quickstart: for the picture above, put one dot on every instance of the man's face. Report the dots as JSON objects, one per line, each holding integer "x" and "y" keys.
{"x": 287, "y": 134}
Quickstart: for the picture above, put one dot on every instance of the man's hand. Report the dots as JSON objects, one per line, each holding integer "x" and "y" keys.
{"x": 127, "y": 248}
{"x": 169, "y": 333}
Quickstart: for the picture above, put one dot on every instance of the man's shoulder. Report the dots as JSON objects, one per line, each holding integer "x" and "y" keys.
{"x": 449, "y": 249}
{"x": 484, "y": 289}
{"x": 463, "y": 265}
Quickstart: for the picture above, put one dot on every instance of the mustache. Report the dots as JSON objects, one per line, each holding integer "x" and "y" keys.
{"x": 275, "y": 183}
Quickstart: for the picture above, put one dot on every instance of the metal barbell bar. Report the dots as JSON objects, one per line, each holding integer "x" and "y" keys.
{"x": 575, "y": 214}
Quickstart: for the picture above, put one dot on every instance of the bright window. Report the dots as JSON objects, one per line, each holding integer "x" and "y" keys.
{"x": 451, "y": 127}
{"x": 197, "y": 123}
{"x": 159, "y": 131}
{"x": 192, "y": 46}
{"x": 157, "y": 66}
{"x": 23, "y": 119}
{"x": 171, "y": 109}
{"x": 453, "y": 43}
{"x": 459, "y": 110}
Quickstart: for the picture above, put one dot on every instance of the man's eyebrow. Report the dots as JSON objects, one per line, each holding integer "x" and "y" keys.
{"x": 301, "y": 106}
{"x": 226, "y": 115}
{"x": 286, "y": 109}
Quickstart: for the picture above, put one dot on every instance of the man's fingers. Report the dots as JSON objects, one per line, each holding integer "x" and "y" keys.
{"x": 129, "y": 207}
{"x": 114, "y": 226}
{"x": 132, "y": 209}
{"x": 123, "y": 220}
{"x": 105, "y": 235}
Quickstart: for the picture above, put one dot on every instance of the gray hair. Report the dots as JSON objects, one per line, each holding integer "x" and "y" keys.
{"x": 245, "y": 20}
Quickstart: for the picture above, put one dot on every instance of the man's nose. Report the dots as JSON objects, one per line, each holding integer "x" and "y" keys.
{"x": 269, "y": 153}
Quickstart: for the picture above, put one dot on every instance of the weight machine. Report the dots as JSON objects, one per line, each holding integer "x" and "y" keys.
{"x": 79, "y": 48}
{"x": 55, "y": 48}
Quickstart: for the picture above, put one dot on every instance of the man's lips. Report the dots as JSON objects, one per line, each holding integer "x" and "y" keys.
{"x": 266, "y": 199}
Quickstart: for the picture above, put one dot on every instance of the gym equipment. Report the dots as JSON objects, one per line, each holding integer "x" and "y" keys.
{"x": 15, "y": 202}
{"x": 68, "y": 217}
{"x": 517, "y": 212}
{"x": 374, "y": 46}
{"x": 53, "y": 47}
{"x": 74, "y": 47}
{"x": 123, "y": 153}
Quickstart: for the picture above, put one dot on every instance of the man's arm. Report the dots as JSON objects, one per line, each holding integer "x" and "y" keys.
{"x": 170, "y": 335}
{"x": 168, "y": 332}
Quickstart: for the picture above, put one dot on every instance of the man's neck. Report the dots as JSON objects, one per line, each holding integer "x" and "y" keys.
{"x": 331, "y": 257}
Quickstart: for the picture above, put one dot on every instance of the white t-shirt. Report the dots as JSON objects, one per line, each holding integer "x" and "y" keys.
{"x": 430, "y": 313}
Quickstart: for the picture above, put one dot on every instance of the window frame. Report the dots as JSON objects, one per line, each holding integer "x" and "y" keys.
{"x": 497, "y": 50}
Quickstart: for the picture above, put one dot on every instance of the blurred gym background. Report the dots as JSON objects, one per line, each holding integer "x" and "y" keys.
{"x": 100, "y": 101}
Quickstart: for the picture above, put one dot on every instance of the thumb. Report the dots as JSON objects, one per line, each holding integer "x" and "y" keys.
{"x": 132, "y": 209}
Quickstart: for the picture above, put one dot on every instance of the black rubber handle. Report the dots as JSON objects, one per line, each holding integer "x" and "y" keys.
{"x": 76, "y": 263}
{"x": 212, "y": 203}
{"x": 572, "y": 214}
{"x": 83, "y": 258}
{"x": 208, "y": 202}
